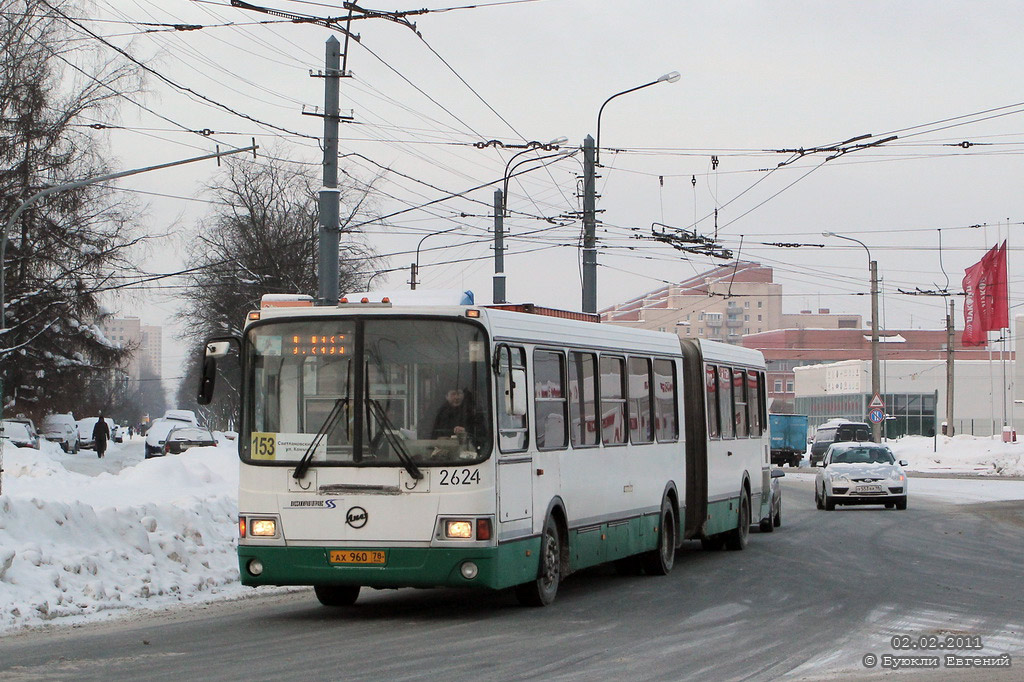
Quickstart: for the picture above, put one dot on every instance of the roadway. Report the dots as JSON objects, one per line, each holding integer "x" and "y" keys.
{"x": 806, "y": 602}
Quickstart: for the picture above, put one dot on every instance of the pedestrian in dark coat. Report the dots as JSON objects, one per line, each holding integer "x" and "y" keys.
{"x": 100, "y": 435}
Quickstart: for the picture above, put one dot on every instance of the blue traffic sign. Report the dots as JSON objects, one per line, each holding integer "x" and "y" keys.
{"x": 876, "y": 416}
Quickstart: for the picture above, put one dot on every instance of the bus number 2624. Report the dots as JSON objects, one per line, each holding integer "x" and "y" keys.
{"x": 460, "y": 477}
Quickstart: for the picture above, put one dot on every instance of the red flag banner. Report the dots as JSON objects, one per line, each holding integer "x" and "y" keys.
{"x": 974, "y": 331}
{"x": 987, "y": 306}
{"x": 997, "y": 291}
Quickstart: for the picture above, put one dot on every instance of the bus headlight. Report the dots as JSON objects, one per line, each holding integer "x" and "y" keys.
{"x": 458, "y": 528}
{"x": 262, "y": 528}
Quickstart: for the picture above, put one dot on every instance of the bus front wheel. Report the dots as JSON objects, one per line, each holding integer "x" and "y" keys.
{"x": 736, "y": 539}
{"x": 542, "y": 590}
{"x": 337, "y": 595}
{"x": 660, "y": 561}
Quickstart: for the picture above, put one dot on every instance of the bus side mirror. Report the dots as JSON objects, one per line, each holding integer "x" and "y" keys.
{"x": 212, "y": 349}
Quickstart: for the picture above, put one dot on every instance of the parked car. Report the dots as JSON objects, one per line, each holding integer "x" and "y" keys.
{"x": 117, "y": 433}
{"x": 159, "y": 428}
{"x": 774, "y": 518}
{"x": 181, "y": 438}
{"x": 31, "y": 428}
{"x": 18, "y": 434}
{"x": 182, "y": 415}
{"x": 861, "y": 473}
{"x": 836, "y": 431}
{"x": 85, "y": 427}
{"x": 62, "y": 429}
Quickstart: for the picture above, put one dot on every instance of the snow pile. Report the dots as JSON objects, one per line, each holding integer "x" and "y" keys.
{"x": 961, "y": 455}
{"x": 154, "y": 534}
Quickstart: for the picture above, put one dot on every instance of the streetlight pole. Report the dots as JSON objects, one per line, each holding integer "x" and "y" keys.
{"x": 876, "y": 429}
{"x": 591, "y": 160}
{"x": 54, "y": 189}
{"x": 501, "y": 203}
{"x": 416, "y": 266}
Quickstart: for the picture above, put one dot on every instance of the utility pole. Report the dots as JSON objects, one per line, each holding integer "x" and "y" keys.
{"x": 589, "y": 227}
{"x": 949, "y": 368}
{"x": 499, "y": 247}
{"x": 330, "y": 228}
{"x": 876, "y": 427}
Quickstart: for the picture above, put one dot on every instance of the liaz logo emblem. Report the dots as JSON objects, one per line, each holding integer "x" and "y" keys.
{"x": 356, "y": 517}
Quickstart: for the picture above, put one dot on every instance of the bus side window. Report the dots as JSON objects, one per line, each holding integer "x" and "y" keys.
{"x": 711, "y": 388}
{"x": 739, "y": 395}
{"x": 513, "y": 429}
{"x": 613, "y": 401}
{"x": 641, "y": 424}
{"x": 549, "y": 402}
{"x": 583, "y": 399}
{"x": 725, "y": 402}
{"x": 754, "y": 402}
{"x": 665, "y": 401}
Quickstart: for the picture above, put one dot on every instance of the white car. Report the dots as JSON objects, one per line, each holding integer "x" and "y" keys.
{"x": 860, "y": 473}
{"x": 158, "y": 430}
{"x": 62, "y": 428}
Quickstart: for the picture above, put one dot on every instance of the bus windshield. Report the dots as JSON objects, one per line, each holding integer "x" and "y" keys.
{"x": 422, "y": 394}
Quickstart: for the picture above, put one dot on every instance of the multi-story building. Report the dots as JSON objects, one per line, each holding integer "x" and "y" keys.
{"x": 145, "y": 340}
{"x": 786, "y": 349}
{"x": 741, "y": 303}
{"x": 721, "y": 304}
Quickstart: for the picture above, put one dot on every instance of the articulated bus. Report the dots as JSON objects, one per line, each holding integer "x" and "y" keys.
{"x": 386, "y": 445}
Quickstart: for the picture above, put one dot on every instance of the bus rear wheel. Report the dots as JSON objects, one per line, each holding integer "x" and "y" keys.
{"x": 660, "y": 561}
{"x": 337, "y": 595}
{"x": 736, "y": 539}
{"x": 542, "y": 590}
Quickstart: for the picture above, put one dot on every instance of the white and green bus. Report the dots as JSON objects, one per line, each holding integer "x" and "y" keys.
{"x": 396, "y": 445}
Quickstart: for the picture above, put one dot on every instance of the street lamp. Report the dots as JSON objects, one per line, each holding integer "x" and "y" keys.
{"x": 670, "y": 77}
{"x": 876, "y": 428}
{"x": 501, "y": 202}
{"x": 552, "y": 146}
{"x": 591, "y": 159}
{"x": 416, "y": 265}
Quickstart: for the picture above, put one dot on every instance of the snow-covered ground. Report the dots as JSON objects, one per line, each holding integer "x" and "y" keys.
{"x": 84, "y": 537}
{"x": 87, "y": 538}
{"x": 961, "y": 455}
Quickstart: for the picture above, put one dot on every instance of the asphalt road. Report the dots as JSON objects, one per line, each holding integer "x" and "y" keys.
{"x": 806, "y": 602}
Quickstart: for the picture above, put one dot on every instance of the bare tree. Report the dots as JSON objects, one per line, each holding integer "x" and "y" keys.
{"x": 63, "y": 251}
{"x": 262, "y": 240}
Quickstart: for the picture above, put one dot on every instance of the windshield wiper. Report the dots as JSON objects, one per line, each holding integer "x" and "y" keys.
{"x": 393, "y": 440}
{"x": 340, "y": 405}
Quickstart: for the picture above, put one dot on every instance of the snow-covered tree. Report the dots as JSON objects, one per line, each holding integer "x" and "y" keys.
{"x": 65, "y": 249}
{"x": 262, "y": 239}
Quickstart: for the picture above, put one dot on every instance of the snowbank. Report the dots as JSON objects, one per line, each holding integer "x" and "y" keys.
{"x": 961, "y": 454}
{"x": 154, "y": 534}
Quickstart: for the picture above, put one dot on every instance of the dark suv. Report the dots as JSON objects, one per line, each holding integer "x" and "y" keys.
{"x": 838, "y": 431}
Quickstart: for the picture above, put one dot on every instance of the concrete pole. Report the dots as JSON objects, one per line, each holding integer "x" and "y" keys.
{"x": 330, "y": 228}
{"x": 499, "y": 247}
{"x": 589, "y": 227}
{"x": 876, "y": 429}
{"x": 950, "y": 431}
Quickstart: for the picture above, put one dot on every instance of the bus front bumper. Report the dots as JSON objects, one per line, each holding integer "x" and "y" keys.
{"x": 498, "y": 567}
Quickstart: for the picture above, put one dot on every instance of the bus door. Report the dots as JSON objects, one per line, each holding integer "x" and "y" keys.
{"x": 514, "y": 461}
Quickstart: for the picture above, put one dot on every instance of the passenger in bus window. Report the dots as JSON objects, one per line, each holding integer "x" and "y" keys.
{"x": 457, "y": 417}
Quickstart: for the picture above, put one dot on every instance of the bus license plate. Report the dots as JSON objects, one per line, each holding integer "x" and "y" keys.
{"x": 352, "y": 556}
{"x": 869, "y": 488}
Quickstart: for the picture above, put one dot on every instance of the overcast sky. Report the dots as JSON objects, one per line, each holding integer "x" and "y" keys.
{"x": 757, "y": 77}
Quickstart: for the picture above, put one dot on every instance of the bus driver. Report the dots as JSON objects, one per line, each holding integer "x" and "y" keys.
{"x": 457, "y": 417}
